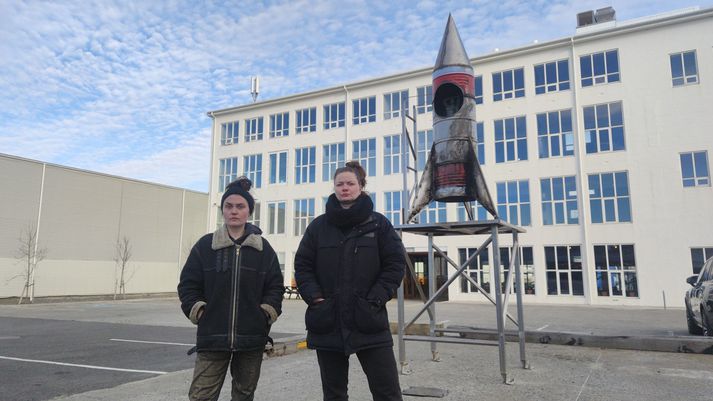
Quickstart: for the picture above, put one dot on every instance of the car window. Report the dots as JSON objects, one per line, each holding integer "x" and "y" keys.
{"x": 707, "y": 273}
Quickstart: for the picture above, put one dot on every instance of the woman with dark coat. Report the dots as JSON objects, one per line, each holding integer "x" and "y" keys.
{"x": 348, "y": 265}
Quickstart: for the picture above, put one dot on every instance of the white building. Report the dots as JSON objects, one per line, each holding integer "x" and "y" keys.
{"x": 598, "y": 144}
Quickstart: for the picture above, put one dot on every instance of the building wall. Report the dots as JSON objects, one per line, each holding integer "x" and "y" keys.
{"x": 660, "y": 121}
{"x": 81, "y": 216}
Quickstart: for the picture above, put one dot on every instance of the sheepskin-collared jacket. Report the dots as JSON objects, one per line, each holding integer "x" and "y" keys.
{"x": 356, "y": 268}
{"x": 239, "y": 286}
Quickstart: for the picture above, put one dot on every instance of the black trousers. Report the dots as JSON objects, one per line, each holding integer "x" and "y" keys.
{"x": 378, "y": 364}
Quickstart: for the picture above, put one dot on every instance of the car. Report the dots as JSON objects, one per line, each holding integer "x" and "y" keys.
{"x": 699, "y": 301}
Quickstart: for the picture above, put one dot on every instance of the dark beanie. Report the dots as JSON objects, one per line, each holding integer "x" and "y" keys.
{"x": 241, "y": 186}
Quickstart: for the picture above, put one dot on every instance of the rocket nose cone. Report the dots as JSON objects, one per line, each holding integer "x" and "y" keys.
{"x": 452, "y": 51}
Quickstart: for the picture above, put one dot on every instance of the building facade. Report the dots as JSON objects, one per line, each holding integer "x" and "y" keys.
{"x": 597, "y": 144}
{"x": 79, "y": 216}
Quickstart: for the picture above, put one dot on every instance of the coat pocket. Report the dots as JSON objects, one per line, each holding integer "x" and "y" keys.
{"x": 321, "y": 318}
{"x": 370, "y": 318}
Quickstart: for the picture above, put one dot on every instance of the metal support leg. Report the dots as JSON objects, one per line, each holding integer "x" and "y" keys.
{"x": 499, "y": 304}
{"x": 432, "y": 294}
{"x": 405, "y": 370}
{"x": 518, "y": 294}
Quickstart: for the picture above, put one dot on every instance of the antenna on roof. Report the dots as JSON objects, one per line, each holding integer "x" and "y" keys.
{"x": 254, "y": 87}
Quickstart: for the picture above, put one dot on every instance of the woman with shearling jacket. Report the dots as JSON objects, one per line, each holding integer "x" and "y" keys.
{"x": 348, "y": 265}
{"x": 231, "y": 287}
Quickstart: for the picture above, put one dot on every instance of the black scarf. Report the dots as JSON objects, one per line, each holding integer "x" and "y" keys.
{"x": 348, "y": 218}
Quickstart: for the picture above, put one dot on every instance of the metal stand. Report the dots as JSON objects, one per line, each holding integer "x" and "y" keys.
{"x": 492, "y": 228}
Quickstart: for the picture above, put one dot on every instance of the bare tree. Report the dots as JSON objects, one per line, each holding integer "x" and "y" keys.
{"x": 30, "y": 254}
{"x": 122, "y": 256}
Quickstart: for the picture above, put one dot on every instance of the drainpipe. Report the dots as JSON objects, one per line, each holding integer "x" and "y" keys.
{"x": 211, "y": 183}
{"x": 587, "y": 273}
{"x": 347, "y": 142}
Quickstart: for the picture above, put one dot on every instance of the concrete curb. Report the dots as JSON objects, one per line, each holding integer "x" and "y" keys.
{"x": 683, "y": 344}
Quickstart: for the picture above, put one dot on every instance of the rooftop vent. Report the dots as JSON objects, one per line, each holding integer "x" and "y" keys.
{"x": 592, "y": 17}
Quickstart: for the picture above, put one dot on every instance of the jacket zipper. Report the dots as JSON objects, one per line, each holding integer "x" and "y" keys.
{"x": 236, "y": 293}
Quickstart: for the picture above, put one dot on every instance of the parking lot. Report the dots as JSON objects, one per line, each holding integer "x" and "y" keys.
{"x": 118, "y": 350}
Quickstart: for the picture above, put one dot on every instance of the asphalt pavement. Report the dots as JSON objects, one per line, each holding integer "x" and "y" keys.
{"x": 79, "y": 338}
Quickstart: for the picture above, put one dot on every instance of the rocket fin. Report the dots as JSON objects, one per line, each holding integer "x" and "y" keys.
{"x": 481, "y": 188}
{"x": 424, "y": 195}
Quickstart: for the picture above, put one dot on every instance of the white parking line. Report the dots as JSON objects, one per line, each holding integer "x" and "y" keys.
{"x": 149, "y": 342}
{"x": 153, "y": 372}
{"x": 542, "y": 328}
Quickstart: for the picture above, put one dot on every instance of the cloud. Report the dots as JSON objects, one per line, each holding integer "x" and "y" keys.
{"x": 123, "y": 86}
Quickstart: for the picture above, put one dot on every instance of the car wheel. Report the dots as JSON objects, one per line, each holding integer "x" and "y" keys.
{"x": 707, "y": 328}
{"x": 693, "y": 327}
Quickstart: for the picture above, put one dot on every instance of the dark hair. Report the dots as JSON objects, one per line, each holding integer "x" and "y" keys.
{"x": 353, "y": 166}
{"x": 240, "y": 186}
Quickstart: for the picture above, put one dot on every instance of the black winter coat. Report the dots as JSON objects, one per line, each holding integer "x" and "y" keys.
{"x": 357, "y": 272}
{"x": 240, "y": 287}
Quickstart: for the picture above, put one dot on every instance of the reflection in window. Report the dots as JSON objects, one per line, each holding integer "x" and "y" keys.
{"x": 604, "y": 127}
{"x": 332, "y": 159}
{"x": 564, "y": 270}
{"x": 476, "y": 210}
{"x": 278, "y": 167}
{"x": 364, "y": 151}
{"x": 333, "y": 115}
{"x": 394, "y": 103}
{"x": 306, "y": 120}
{"x": 392, "y": 207}
{"x": 554, "y": 134}
{"x": 304, "y": 214}
{"x": 227, "y": 172}
{"x": 609, "y": 197}
{"x": 683, "y": 68}
{"x": 276, "y": 217}
{"x": 229, "y": 133}
{"x": 479, "y": 89}
{"x": 514, "y": 201}
{"x": 253, "y": 129}
{"x": 508, "y": 84}
{"x": 552, "y": 77}
{"x": 364, "y": 110}
{"x": 615, "y": 269}
{"x": 559, "y": 200}
{"x": 392, "y": 154}
{"x": 478, "y": 269}
{"x": 424, "y": 141}
{"x": 699, "y": 257}
{"x": 694, "y": 169}
{"x": 304, "y": 165}
{"x": 510, "y": 139}
{"x": 599, "y": 68}
{"x": 424, "y": 96}
{"x": 279, "y": 125}
{"x": 252, "y": 168}
{"x": 435, "y": 212}
{"x": 527, "y": 269}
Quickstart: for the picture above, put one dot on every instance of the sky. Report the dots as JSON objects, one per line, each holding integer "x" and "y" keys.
{"x": 123, "y": 87}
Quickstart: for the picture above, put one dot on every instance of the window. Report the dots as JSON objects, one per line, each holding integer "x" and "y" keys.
{"x": 278, "y": 167}
{"x": 699, "y": 257}
{"x": 279, "y": 125}
{"x": 364, "y": 110}
{"x": 559, "y": 200}
{"x": 694, "y": 169}
{"x": 479, "y": 89}
{"x": 435, "y": 212}
{"x": 609, "y": 197}
{"x": 394, "y": 103}
{"x": 564, "y": 270}
{"x": 228, "y": 172}
{"x": 254, "y": 218}
{"x": 424, "y": 141}
{"x": 276, "y": 217}
{"x": 527, "y": 269}
{"x": 304, "y": 165}
{"x": 332, "y": 159}
{"x": 304, "y": 214}
{"x": 372, "y": 196}
{"x": 599, "y": 68}
{"x": 306, "y": 120}
{"x": 514, "y": 201}
{"x": 552, "y": 77}
{"x": 392, "y": 206}
{"x": 554, "y": 134}
{"x": 510, "y": 139}
{"x": 604, "y": 127}
{"x": 334, "y": 115}
{"x": 252, "y": 168}
{"x": 424, "y": 96}
{"x": 508, "y": 84}
{"x": 476, "y": 209}
{"x": 612, "y": 264}
{"x": 364, "y": 150}
{"x": 253, "y": 129}
{"x": 683, "y": 68}
{"x": 229, "y": 133}
{"x": 392, "y": 154}
{"x": 281, "y": 260}
{"x": 480, "y": 142}
{"x": 478, "y": 269}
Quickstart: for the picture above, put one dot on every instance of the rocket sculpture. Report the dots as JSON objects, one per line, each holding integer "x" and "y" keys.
{"x": 452, "y": 172}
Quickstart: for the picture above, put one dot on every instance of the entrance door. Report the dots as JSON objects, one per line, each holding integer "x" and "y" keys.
{"x": 420, "y": 265}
